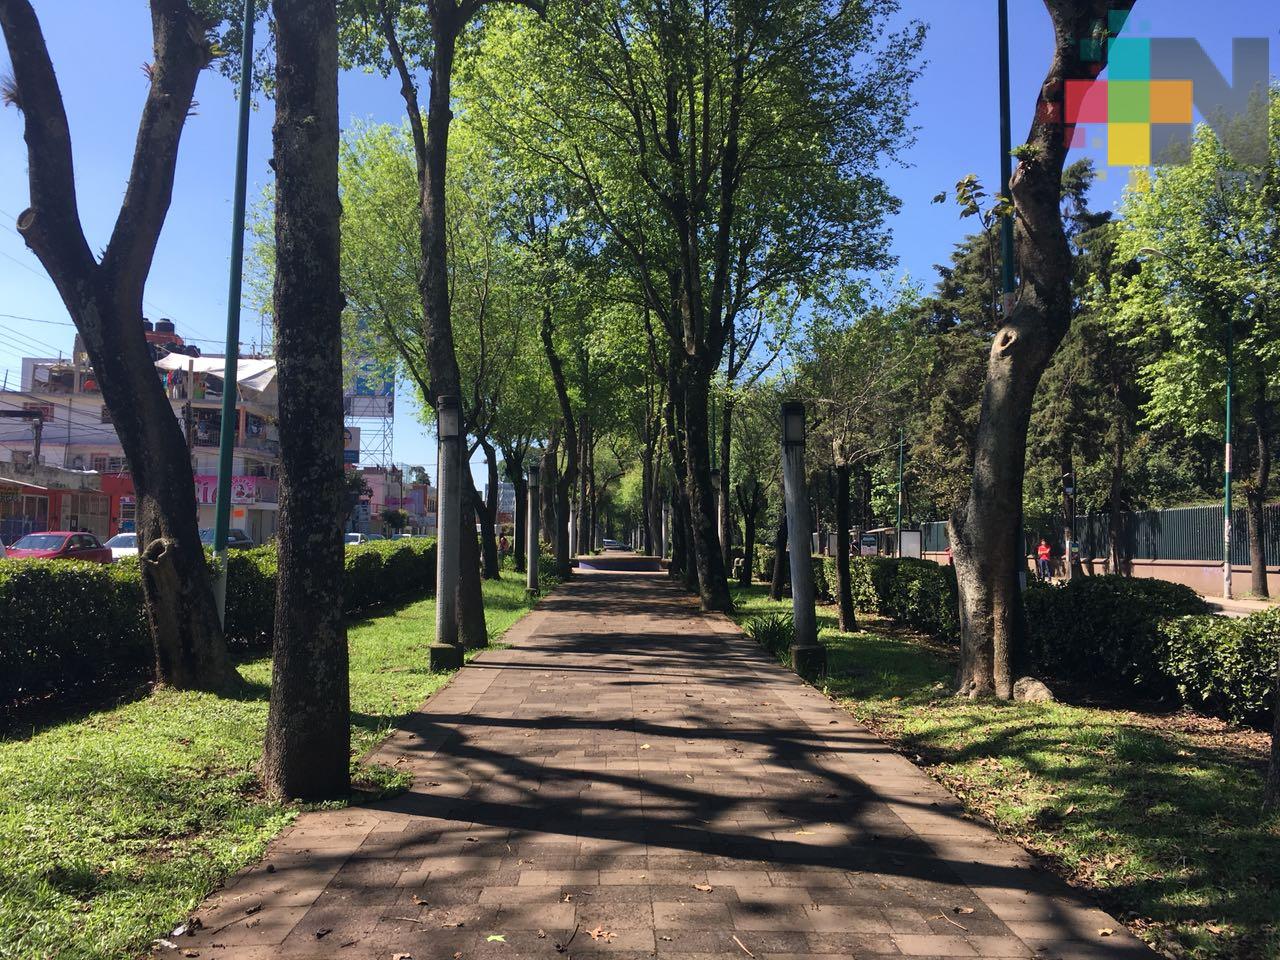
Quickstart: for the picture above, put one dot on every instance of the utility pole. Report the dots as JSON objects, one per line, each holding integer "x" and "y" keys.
{"x": 1226, "y": 463}
{"x": 1006, "y": 163}
{"x": 808, "y": 657}
{"x": 227, "y": 430}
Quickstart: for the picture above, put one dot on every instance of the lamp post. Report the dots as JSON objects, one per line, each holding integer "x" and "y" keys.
{"x": 1226, "y": 446}
{"x": 227, "y": 431}
{"x": 808, "y": 658}
{"x": 897, "y": 527}
{"x": 446, "y": 652}
{"x": 1006, "y": 161}
{"x": 531, "y": 526}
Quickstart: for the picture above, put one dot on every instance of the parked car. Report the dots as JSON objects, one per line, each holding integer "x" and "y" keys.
{"x": 123, "y": 545}
{"x": 4, "y": 551}
{"x": 61, "y": 545}
{"x": 608, "y": 544}
{"x": 236, "y": 539}
{"x": 356, "y": 539}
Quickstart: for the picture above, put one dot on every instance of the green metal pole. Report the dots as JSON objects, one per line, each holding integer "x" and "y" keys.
{"x": 227, "y": 432}
{"x": 1226, "y": 485}
{"x": 1006, "y": 158}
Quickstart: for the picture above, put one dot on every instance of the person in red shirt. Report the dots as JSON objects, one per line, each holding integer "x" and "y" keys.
{"x": 1042, "y": 559}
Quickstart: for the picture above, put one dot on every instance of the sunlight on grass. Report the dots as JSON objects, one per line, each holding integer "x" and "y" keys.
{"x": 1163, "y": 825}
{"x": 116, "y": 825}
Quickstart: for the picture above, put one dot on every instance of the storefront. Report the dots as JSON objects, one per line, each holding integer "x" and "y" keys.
{"x": 254, "y": 504}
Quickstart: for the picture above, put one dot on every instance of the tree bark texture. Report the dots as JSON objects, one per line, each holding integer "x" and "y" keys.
{"x": 472, "y": 629}
{"x": 488, "y": 515}
{"x": 779, "y": 579}
{"x": 725, "y": 519}
{"x": 986, "y": 532}
{"x": 1256, "y": 496}
{"x": 750, "y": 501}
{"x": 104, "y": 299}
{"x": 307, "y": 750}
{"x": 844, "y": 578}
{"x": 713, "y": 584}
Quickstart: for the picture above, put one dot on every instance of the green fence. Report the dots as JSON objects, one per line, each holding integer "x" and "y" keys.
{"x": 1181, "y": 533}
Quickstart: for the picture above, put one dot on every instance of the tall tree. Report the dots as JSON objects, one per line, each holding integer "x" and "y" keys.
{"x": 103, "y": 295}
{"x": 308, "y": 741}
{"x": 664, "y": 117}
{"x": 1207, "y": 235}
{"x": 986, "y": 532}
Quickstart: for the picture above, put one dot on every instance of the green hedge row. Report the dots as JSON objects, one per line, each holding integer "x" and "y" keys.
{"x": 1224, "y": 665}
{"x": 66, "y": 625}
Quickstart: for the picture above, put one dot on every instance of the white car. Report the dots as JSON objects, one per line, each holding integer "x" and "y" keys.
{"x": 123, "y": 545}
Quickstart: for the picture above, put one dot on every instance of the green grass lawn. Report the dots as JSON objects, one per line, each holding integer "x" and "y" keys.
{"x": 114, "y": 826}
{"x": 1157, "y": 814}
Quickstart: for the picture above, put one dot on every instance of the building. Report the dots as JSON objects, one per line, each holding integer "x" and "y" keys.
{"x": 57, "y": 420}
{"x": 390, "y": 489}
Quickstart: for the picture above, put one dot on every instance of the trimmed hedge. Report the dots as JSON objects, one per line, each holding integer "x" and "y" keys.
{"x": 1106, "y": 629}
{"x": 67, "y": 625}
{"x": 1224, "y": 665}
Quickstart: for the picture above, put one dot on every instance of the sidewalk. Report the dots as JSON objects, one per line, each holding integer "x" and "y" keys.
{"x": 632, "y": 779}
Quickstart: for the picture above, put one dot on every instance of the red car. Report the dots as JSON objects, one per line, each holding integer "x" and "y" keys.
{"x": 61, "y": 545}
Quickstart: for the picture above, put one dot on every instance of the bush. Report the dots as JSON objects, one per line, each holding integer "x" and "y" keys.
{"x": 1225, "y": 665}
{"x": 918, "y": 593}
{"x": 763, "y": 562}
{"x": 823, "y": 588}
{"x": 864, "y": 594}
{"x": 775, "y": 631}
{"x": 1106, "y": 629}
{"x": 66, "y": 626}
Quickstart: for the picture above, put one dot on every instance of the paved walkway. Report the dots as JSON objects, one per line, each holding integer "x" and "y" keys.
{"x": 632, "y": 779}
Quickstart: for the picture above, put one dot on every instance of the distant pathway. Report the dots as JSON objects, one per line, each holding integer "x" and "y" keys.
{"x": 634, "y": 779}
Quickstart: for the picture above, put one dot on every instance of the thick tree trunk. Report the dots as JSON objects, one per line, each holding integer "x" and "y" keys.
{"x": 713, "y": 585}
{"x": 749, "y": 494}
{"x": 515, "y": 473}
{"x": 844, "y": 580}
{"x": 104, "y": 300}
{"x": 779, "y": 579}
{"x": 1271, "y": 792}
{"x": 307, "y": 750}
{"x": 487, "y": 514}
{"x": 986, "y": 534}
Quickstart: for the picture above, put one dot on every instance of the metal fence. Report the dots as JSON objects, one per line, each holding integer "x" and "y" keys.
{"x": 1181, "y": 533}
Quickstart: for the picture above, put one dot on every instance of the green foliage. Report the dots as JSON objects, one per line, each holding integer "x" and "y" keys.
{"x": 1225, "y": 665}
{"x": 69, "y": 626}
{"x": 1106, "y": 629}
{"x": 763, "y": 562}
{"x": 823, "y": 588}
{"x": 919, "y": 593}
{"x": 775, "y": 631}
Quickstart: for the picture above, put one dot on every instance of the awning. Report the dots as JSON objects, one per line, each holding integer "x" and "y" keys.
{"x": 255, "y": 375}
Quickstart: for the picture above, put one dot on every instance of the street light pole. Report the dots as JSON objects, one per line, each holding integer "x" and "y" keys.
{"x": 227, "y": 431}
{"x": 902, "y": 440}
{"x": 446, "y": 652}
{"x": 808, "y": 657}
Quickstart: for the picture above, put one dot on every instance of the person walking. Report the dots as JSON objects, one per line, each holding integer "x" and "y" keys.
{"x": 1042, "y": 559}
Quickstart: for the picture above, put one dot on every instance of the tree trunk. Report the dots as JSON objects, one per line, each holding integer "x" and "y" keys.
{"x": 725, "y": 519}
{"x": 547, "y": 488}
{"x": 1115, "y": 525}
{"x": 1066, "y": 465}
{"x": 844, "y": 579}
{"x": 488, "y": 516}
{"x": 515, "y": 473}
{"x": 1271, "y": 792}
{"x": 1256, "y": 497}
{"x": 986, "y": 534}
{"x": 713, "y": 585}
{"x": 104, "y": 299}
{"x": 749, "y": 503}
{"x": 307, "y": 749}
{"x": 473, "y": 632}
{"x": 779, "y": 579}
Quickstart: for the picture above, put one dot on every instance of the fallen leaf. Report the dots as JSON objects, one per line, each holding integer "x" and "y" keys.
{"x": 167, "y": 944}
{"x": 704, "y": 887}
{"x": 191, "y": 953}
{"x": 323, "y": 932}
{"x": 600, "y": 933}
{"x": 566, "y": 898}
{"x": 1105, "y": 932}
{"x": 402, "y": 956}
{"x": 418, "y": 901}
{"x": 743, "y": 945}
{"x": 962, "y": 909}
{"x": 250, "y": 911}
{"x": 452, "y": 923}
{"x": 542, "y": 934}
{"x": 644, "y": 746}
{"x": 664, "y": 937}
{"x": 1214, "y": 929}
{"x": 473, "y": 840}
{"x": 496, "y": 938}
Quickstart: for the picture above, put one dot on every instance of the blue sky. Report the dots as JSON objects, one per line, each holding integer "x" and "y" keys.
{"x": 98, "y": 49}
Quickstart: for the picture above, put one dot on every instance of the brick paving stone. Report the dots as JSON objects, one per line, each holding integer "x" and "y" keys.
{"x": 632, "y": 768}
